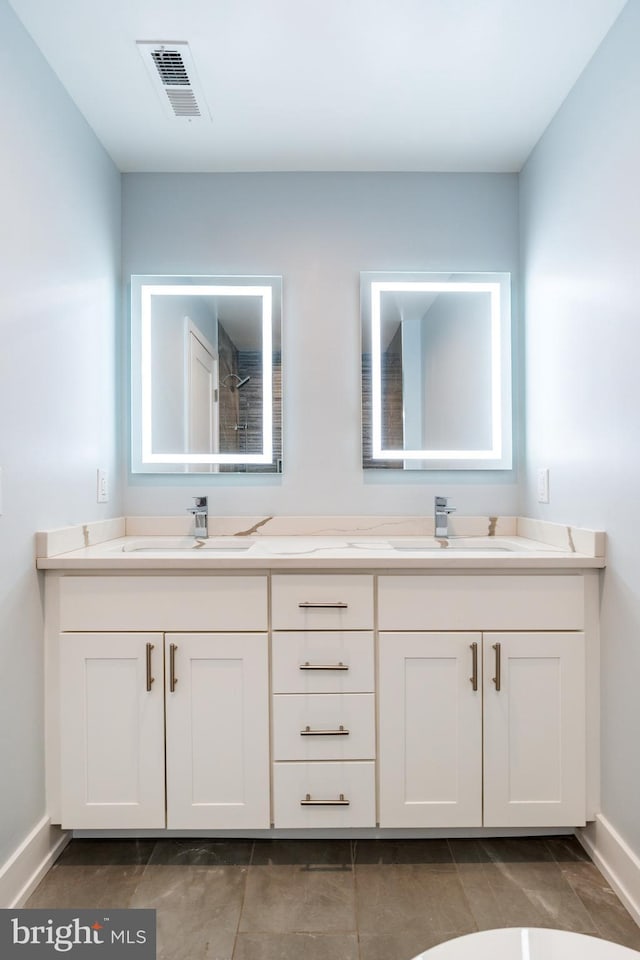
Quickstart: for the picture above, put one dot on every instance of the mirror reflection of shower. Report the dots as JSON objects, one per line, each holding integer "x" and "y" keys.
{"x": 241, "y": 426}
{"x": 240, "y": 381}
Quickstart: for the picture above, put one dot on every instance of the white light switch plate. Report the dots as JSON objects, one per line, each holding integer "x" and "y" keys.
{"x": 103, "y": 487}
{"x": 543, "y": 485}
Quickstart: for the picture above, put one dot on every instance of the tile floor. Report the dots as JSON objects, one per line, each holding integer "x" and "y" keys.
{"x": 336, "y": 899}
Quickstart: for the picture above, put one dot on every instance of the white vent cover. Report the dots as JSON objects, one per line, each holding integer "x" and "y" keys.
{"x": 173, "y": 75}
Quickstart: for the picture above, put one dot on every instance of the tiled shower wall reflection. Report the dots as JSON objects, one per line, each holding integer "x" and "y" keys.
{"x": 392, "y": 411}
{"x": 241, "y": 408}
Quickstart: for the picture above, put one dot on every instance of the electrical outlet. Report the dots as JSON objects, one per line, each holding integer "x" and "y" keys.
{"x": 543, "y": 485}
{"x": 103, "y": 486}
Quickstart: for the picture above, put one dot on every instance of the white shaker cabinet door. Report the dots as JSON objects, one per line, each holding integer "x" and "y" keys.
{"x": 112, "y": 730}
{"x": 217, "y": 731}
{"x": 430, "y": 730}
{"x": 534, "y": 729}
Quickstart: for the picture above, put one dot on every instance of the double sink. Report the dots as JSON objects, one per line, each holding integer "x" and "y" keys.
{"x": 240, "y": 544}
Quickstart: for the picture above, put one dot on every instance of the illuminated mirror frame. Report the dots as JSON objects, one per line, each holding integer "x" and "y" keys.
{"x": 268, "y": 290}
{"x": 498, "y": 287}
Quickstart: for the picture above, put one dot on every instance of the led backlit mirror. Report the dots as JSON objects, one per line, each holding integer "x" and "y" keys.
{"x": 206, "y": 374}
{"x": 436, "y": 371}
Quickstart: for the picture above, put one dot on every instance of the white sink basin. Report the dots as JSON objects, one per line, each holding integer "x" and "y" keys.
{"x": 169, "y": 544}
{"x": 431, "y": 545}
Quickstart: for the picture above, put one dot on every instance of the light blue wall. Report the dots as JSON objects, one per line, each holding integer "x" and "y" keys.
{"x": 319, "y": 231}
{"x": 580, "y": 214}
{"x": 59, "y": 263}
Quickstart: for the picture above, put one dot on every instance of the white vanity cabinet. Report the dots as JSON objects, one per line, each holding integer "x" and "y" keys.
{"x": 323, "y": 701}
{"x": 120, "y": 688}
{"x": 273, "y": 698}
{"x": 482, "y": 727}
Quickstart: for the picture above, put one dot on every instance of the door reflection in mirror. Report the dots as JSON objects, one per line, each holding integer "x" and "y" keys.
{"x": 206, "y": 383}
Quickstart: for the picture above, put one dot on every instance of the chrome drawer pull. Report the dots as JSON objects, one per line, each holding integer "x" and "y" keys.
{"x": 340, "y": 732}
{"x": 323, "y": 605}
{"x": 323, "y": 666}
{"x": 308, "y": 802}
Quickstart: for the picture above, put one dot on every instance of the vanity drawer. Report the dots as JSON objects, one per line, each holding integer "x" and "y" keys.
{"x": 323, "y": 662}
{"x": 164, "y": 603}
{"x": 324, "y": 794}
{"x": 324, "y": 726}
{"x": 478, "y": 602}
{"x": 322, "y": 602}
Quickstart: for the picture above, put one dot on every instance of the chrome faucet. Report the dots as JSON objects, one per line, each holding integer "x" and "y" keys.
{"x": 442, "y": 512}
{"x": 201, "y": 516}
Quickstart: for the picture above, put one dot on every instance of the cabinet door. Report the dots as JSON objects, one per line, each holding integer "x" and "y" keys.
{"x": 534, "y": 729}
{"x": 430, "y": 730}
{"x": 217, "y": 731}
{"x": 112, "y": 730}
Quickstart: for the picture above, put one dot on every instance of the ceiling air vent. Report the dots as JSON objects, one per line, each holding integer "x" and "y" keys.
{"x": 173, "y": 74}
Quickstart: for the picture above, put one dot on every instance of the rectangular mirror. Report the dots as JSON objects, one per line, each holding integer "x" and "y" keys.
{"x": 436, "y": 371}
{"x": 206, "y": 374}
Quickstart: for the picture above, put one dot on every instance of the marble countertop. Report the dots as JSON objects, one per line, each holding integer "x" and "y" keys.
{"x": 138, "y": 544}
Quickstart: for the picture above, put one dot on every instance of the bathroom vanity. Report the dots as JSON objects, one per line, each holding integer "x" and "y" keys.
{"x": 360, "y": 677}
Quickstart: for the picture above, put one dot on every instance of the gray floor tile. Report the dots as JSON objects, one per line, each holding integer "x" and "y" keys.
{"x": 107, "y": 852}
{"x": 403, "y": 851}
{"x": 468, "y": 851}
{"x": 567, "y": 849}
{"x": 338, "y": 899}
{"x": 425, "y": 898}
{"x": 522, "y": 894}
{"x": 303, "y": 852}
{"x": 292, "y": 946}
{"x": 516, "y": 849}
{"x": 198, "y": 909}
{"x": 202, "y": 852}
{"x": 400, "y": 945}
{"x": 610, "y": 916}
{"x": 86, "y": 887}
{"x": 298, "y": 899}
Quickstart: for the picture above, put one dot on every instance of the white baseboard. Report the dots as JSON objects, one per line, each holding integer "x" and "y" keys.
{"x": 615, "y": 859}
{"x": 26, "y": 867}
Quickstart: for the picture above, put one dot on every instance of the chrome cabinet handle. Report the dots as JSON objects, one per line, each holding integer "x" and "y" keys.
{"x": 150, "y": 679}
{"x": 340, "y": 802}
{"x": 323, "y": 605}
{"x": 497, "y": 678}
{"x": 340, "y": 732}
{"x": 323, "y": 666}
{"x": 172, "y": 667}
{"x": 474, "y": 666}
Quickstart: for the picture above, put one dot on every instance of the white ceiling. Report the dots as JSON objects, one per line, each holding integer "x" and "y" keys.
{"x": 368, "y": 85}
